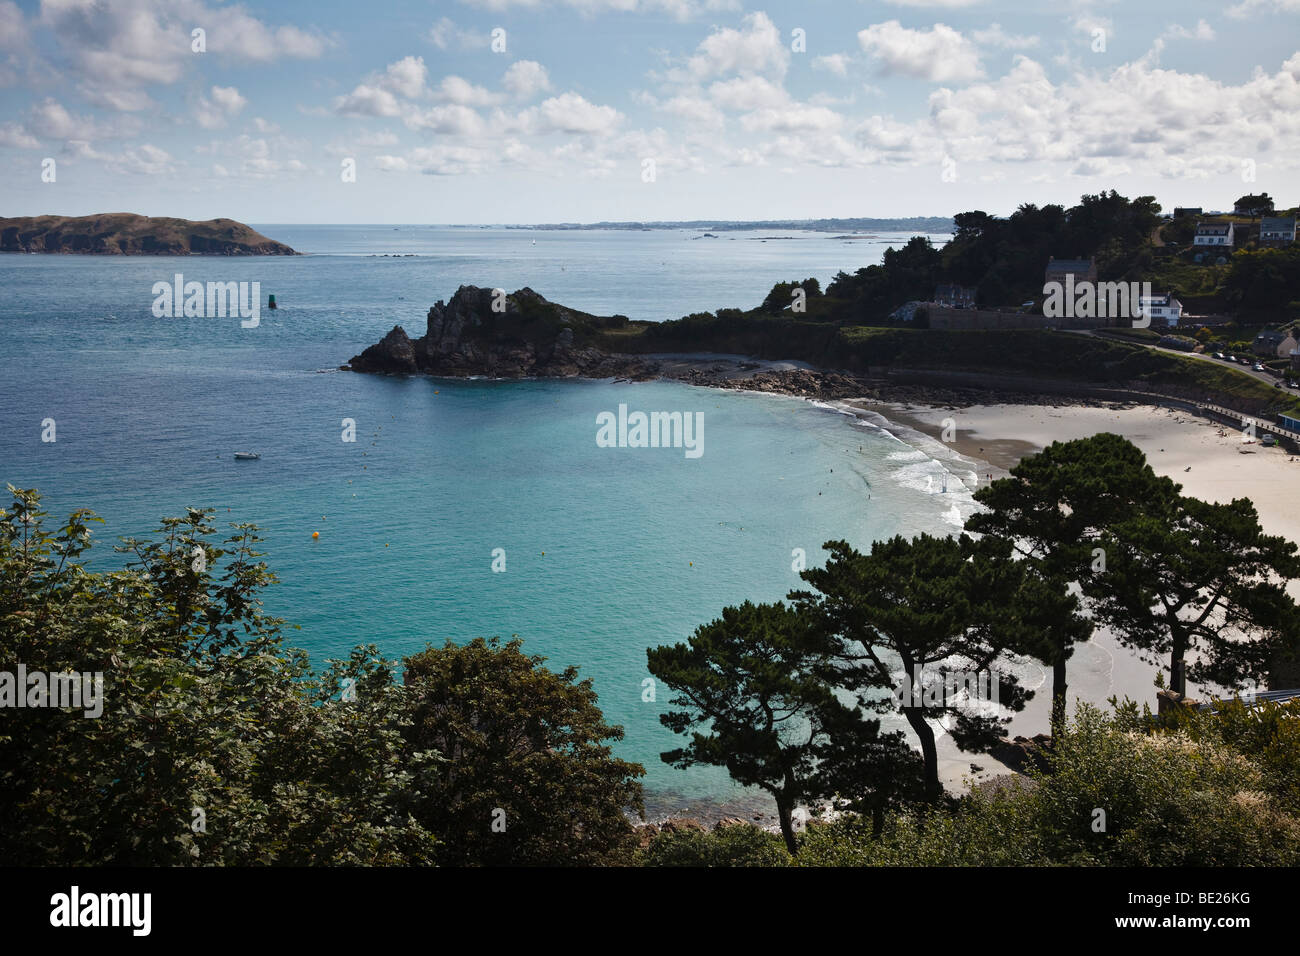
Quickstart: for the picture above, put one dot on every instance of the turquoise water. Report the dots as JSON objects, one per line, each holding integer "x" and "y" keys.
{"x": 608, "y": 550}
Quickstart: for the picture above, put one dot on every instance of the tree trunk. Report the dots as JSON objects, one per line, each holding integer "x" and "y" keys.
{"x": 1177, "y": 665}
{"x": 1059, "y": 689}
{"x": 785, "y": 813}
{"x": 916, "y": 717}
{"x": 877, "y": 822}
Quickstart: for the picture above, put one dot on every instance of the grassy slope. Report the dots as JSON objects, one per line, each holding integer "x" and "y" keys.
{"x": 1031, "y": 353}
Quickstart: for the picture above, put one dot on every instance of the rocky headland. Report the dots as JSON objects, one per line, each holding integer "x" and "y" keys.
{"x": 128, "y": 234}
{"x": 480, "y": 332}
{"x": 483, "y": 333}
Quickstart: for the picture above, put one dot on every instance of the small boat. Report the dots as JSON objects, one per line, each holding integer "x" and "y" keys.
{"x": 247, "y": 456}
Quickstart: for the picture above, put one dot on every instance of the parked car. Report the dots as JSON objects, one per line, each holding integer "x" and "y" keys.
{"x": 1257, "y": 367}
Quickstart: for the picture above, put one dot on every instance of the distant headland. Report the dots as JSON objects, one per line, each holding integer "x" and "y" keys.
{"x": 128, "y": 234}
{"x": 931, "y": 225}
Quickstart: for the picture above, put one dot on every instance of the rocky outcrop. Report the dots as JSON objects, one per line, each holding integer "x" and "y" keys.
{"x": 393, "y": 353}
{"x": 128, "y": 234}
{"x": 1020, "y": 753}
{"x": 522, "y": 335}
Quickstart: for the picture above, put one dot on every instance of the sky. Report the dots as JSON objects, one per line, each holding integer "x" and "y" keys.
{"x": 528, "y": 111}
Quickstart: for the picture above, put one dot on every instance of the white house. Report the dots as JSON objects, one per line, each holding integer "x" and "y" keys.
{"x": 1163, "y": 309}
{"x": 1214, "y": 234}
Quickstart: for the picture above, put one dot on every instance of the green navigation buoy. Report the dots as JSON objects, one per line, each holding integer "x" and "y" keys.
{"x": 270, "y": 302}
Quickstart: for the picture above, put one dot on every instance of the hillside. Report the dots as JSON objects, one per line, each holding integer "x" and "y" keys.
{"x": 128, "y": 234}
{"x": 532, "y": 337}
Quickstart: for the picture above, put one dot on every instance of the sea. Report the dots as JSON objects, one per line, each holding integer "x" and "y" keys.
{"x": 392, "y": 538}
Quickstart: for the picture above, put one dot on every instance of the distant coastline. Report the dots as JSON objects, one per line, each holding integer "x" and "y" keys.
{"x": 914, "y": 224}
{"x": 129, "y": 234}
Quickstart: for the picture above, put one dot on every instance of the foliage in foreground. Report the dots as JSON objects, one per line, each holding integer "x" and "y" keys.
{"x": 217, "y": 745}
{"x": 1195, "y": 789}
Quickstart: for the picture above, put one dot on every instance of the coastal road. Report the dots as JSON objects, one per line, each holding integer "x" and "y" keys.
{"x": 1264, "y": 377}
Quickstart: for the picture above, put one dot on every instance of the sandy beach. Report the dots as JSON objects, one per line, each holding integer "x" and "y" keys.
{"x": 1204, "y": 457}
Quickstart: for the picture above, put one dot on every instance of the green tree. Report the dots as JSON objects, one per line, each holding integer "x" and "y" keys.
{"x": 1053, "y": 509}
{"x": 528, "y": 776}
{"x": 935, "y": 606}
{"x": 215, "y": 744}
{"x": 752, "y": 692}
{"x": 1189, "y": 577}
{"x": 1254, "y": 205}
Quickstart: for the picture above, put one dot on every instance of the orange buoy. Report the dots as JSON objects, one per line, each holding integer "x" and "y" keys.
{"x": 315, "y": 534}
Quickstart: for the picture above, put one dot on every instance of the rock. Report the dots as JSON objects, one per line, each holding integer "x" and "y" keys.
{"x": 681, "y": 825}
{"x": 522, "y": 335}
{"x": 645, "y": 834}
{"x": 1022, "y": 752}
{"x": 394, "y": 353}
{"x": 731, "y": 822}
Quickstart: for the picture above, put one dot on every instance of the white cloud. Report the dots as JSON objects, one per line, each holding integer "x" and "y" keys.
{"x": 694, "y": 109}
{"x": 445, "y": 34}
{"x": 1090, "y": 23}
{"x": 995, "y": 36}
{"x": 146, "y": 159}
{"x": 837, "y": 63}
{"x": 939, "y": 54}
{"x": 376, "y": 140}
{"x": 1249, "y": 7}
{"x": 406, "y": 77}
{"x": 119, "y": 47}
{"x": 13, "y": 28}
{"x": 377, "y": 94}
{"x": 748, "y": 93}
{"x": 792, "y": 119}
{"x": 13, "y": 135}
{"x": 455, "y": 89}
{"x": 525, "y": 79}
{"x": 121, "y": 100}
{"x": 1202, "y": 30}
{"x": 225, "y": 103}
{"x": 50, "y": 119}
{"x": 450, "y": 119}
{"x": 368, "y": 100}
{"x": 758, "y": 48}
{"x": 449, "y": 160}
{"x": 679, "y": 9}
{"x": 572, "y": 113}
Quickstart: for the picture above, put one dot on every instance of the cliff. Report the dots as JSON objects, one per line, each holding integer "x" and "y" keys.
{"x": 519, "y": 335}
{"x": 127, "y": 234}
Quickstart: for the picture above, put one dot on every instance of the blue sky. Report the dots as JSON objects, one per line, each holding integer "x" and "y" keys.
{"x": 910, "y": 107}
